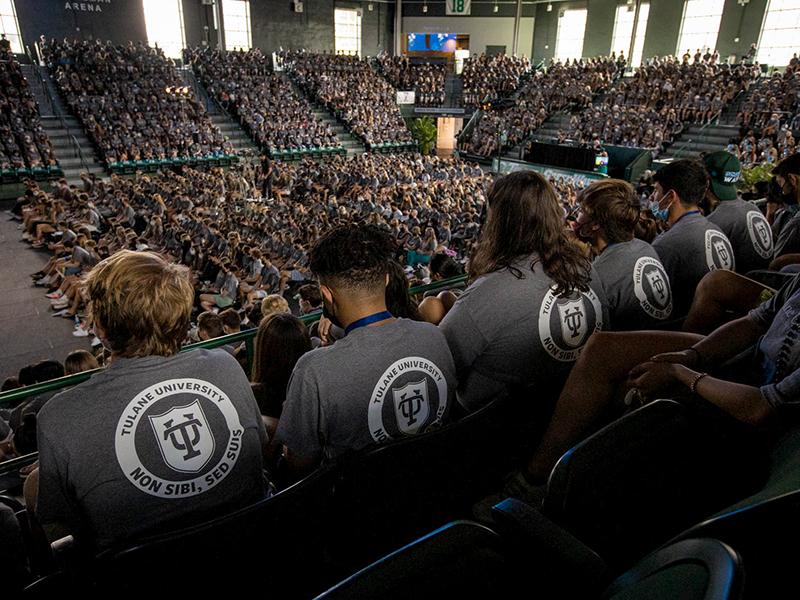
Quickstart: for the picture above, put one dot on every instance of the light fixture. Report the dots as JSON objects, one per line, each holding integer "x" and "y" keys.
{"x": 369, "y": 7}
{"x": 549, "y": 7}
{"x": 736, "y": 40}
{"x": 425, "y": 8}
{"x": 496, "y": 8}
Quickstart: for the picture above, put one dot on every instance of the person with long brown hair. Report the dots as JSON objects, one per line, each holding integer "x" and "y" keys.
{"x": 533, "y": 300}
{"x": 280, "y": 341}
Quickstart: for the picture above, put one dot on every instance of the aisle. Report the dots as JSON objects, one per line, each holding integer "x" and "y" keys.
{"x": 27, "y": 331}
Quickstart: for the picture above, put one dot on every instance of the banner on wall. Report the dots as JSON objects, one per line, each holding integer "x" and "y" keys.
{"x": 458, "y": 7}
{"x": 405, "y": 97}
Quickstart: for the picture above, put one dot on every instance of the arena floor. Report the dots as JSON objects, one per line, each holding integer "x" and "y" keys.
{"x": 27, "y": 331}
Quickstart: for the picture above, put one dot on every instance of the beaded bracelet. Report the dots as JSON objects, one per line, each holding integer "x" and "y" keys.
{"x": 693, "y": 386}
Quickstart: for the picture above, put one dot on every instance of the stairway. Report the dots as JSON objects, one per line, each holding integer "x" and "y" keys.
{"x": 453, "y": 90}
{"x": 61, "y": 131}
{"x": 549, "y": 129}
{"x": 694, "y": 139}
{"x": 350, "y": 143}
{"x": 242, "y": 143}
{"x": 188, "y": 77}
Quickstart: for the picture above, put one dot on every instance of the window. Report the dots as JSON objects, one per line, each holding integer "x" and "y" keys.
{"x": 9, "y": 25}
{"x": 779, "y": 34}
{"x": 623, "y": 30}
{"x": 569, "y": 37}
{"x": 700, "y": 26}
{"x": 164, "y": 22}
{"x": 236, "y": 16}
{"x": 347, "y": 30}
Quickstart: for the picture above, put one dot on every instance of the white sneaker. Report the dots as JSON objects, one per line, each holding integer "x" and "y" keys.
{"x": 26, "y": 236}
{"x": 60, "y": 313}
{"x": 58, "y": 305}
{"x": 80, "y": 332}
{"x": 55, "y": 295}
{"x": 96, "y": 342}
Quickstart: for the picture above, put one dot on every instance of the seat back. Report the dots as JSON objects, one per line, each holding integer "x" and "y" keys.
{"x": 764, "y": 525}
{"x": 460, "y": 560}
{"x": 276, "y": 542}
{"x": 639, "y": 481}
{"x": 388, "y": 495}
{"x": 701, "y": 569}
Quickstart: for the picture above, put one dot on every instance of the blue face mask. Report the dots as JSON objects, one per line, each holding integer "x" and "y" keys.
{"x": 661, "y": 214}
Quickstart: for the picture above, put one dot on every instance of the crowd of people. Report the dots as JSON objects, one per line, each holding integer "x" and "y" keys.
{"x": 649, "y": 109}
{"x": 275, "y": 115}
{"x": 576, "y": 258}
{"x": 349, "y": 87}
{"x": 425, "y": 78}
{"x": 24, "y": 141}
{"x": 489, "y": 78}
{"x": 561, "y": 86}
{"x": 769, "y": 117}
{"x": 131, "y": 101}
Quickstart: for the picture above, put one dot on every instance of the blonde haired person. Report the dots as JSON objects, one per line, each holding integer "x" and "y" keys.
{"x": 79, "y": 361}
{"x": 274, "y": 303}
{"x": 157, "y": 436}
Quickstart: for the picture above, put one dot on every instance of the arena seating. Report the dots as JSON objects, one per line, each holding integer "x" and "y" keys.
{"x": 132, "y": 103}
{"x": 425, "y": 78}
{"x": 355, "y": 93}
{"x": 25, "y": 149}
{"x": 278, "y": 118}
{"x": 489, "y": 78}
{"x": 470, "y": 560}
{"x": 560, "y": 86}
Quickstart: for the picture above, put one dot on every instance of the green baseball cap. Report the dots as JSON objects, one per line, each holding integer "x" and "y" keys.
{"x": 724, "y": 170}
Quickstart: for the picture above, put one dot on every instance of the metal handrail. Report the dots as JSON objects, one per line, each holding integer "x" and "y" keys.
{"x": 466, "y": 131}
{"x": 247, "y": 336}
{"x": 683, "y": 147}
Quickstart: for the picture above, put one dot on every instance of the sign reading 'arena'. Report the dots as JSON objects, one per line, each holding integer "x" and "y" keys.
{"x": 86, "y": 5}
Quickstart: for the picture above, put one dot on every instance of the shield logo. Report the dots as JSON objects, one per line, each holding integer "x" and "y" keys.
{"x": 723, "y": 253}
{"x": 573, "y": 322}
{"x": 760, "y": 234}
{"x": 659, "y": 287}
{"x": 411, "y": 406}
{"x": 184, "y": 437}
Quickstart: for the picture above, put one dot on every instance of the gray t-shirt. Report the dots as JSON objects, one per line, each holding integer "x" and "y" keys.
{"x": 149, "y": 441}
{"x": 374, "y": 385}
{"x": 748, "y": 231}
{"x": 689, "y": 249}
{"x": 636, "y": 285}
{"x": 508, "y": 331}
{"x": 788, "y": 240}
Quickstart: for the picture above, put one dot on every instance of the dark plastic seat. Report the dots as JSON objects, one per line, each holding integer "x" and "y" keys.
{"x": 276, "y": 543}
{"x": 467, "y": 560}
{"x": 702, "y": 569}
{"x": 388, "y": 495}
{"x": 643, "y": 479}
{"x": 764, "y": 527}
{"x": 460, "y": 560}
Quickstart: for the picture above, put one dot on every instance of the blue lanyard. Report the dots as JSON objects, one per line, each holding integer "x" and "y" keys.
{"x": 368, "y": 320}
{"x": 691, "y": 212}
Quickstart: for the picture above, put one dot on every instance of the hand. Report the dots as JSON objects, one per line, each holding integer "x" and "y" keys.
{"x": 688, "y": 358}
{"x": 652, "y": 378}
{"x": 324, "y": 331}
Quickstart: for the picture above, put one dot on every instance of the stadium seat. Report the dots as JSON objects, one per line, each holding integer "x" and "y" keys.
{"x": 665, "y": 464}
{"x": 388, "y": 495}
{"x": 467, "y": 560}
{"x": 275, "y": 543}
{"x": 460, "y": 560}
{"x": 697, "y": 568}
{"x": 764, "y": 526}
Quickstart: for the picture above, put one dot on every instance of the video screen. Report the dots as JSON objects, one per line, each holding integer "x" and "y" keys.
{"x": 431, "y": 42}
{"x": 601, "y": 161}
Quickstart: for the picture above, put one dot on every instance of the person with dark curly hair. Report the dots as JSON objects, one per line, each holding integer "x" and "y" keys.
{"x": 386, "y": 379}
{"x": 534, "y": 299}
